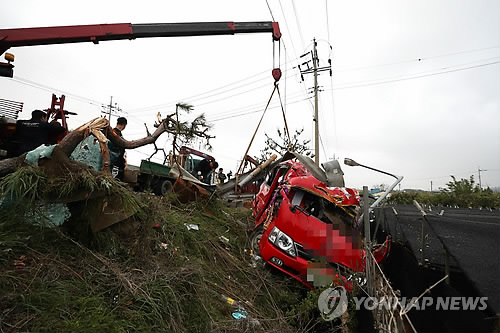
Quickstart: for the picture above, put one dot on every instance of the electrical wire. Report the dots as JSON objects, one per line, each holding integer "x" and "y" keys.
{"x": 51, "y": 89}
{"x": 415, "y": 60}
{"x": 385, "y": 81}
{"x": 249, "y": 107}
{"x": 335, "y": 136}
{"x": 251, "y": 112}
{"x": 327, "y": 21}
{"x": 270, "y": 11}
{"x": 197, "y": 97}
{"x": 194, "y": 97}
{"x": 288, "y": 29}
{"x": 298, "y": 23}
{"x": 173, "y": 102}
{"x": 359, "y": 84}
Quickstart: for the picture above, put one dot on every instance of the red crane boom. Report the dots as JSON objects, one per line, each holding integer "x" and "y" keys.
{"x": 103, "y": 32}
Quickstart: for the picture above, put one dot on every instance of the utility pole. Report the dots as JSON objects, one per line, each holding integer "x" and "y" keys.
{"x": 431, "y": 185}
{"x": 111, "y": 109}
{"x": 316, "y": 119}
{"x": 315, "y": 70}
{"x": 479, "y": 172}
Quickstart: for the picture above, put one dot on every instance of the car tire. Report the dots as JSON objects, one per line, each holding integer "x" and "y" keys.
{"x": 163, "y": 187}
{"x": 254, "y": 239}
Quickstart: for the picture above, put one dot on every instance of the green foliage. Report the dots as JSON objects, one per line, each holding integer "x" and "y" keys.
{"x": 283, "y": 144}
{"x": 462, "y": 193}
{"x": 186, "y": 132}
{"x": 25, "y": 186}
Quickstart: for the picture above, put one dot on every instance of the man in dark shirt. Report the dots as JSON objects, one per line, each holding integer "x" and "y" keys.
{"x": 117, "y": 154}
{"x": 30, "y": 134}
{"x": 221, "y": 177}
{"x": 204, "y": 168}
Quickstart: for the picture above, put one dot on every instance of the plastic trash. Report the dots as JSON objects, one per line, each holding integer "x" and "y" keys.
{"x": 224, "y": 240}
{"x": 190, "y": 226}
{"x": 240, "y": 314}
{"x": 256, "y": 260}
{"x": 42, "y": 151}
{"x": 228, "y": 300}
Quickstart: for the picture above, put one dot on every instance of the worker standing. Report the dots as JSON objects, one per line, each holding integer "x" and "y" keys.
{"x": 117, "y": 154}
{"x": 204, "y": 169}
{"x": 221, "y": 177}
{"x": 31, "y": 134}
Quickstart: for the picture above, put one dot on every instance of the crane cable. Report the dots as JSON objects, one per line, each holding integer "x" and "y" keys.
{"x": 284, "y": 118}
{"x": 276, "y": 88}
{"x": 276, "y": 73}
{"x": 251, "y": 141}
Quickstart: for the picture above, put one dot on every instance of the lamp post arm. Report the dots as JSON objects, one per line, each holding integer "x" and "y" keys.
{"x": 386, "y": 173}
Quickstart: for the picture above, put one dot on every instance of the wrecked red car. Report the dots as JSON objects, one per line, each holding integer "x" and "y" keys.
{"x": 305, "y": 224}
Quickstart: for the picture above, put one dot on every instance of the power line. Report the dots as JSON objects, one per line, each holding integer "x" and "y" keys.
{"x": 74, "y": 96}
{"x": 97, "y": 103}
{"x": 327, "y": 21}
{"x": 288, "y": 29}
{"x": 415, "y": 59}
{"x": 198, "y": 96}
{"x": 415, "y": 77}
{"x": 51, "y": 89}
{"x": 173, "y": 102}
{"x": 261, "y": 73}
{"x": 270, "y": 11}
{"x": 298, "y": 23}
{"x": 249, "y": 107}
{"x": 250, "y": 112}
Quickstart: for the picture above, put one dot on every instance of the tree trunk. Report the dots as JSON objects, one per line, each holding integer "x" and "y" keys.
{"x": 95, "y": 127}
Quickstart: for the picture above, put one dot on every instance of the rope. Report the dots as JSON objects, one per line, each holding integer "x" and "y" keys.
{"x": 255, "y": 133}
{"x": 284, "y": 118}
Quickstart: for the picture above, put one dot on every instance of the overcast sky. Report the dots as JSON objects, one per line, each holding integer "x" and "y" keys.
{"x": 415, "y": 88}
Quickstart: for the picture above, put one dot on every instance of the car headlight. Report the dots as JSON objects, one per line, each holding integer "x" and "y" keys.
{"x": 274, "y": 234}
{"x": 282, "y": 241}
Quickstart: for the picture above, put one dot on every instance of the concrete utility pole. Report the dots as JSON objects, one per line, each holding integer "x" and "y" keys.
{"x": 479, "y": 172}
{"x": 315, "y": 70}
{"x": 316, "y": 120}
{"x": 112, "y": 108}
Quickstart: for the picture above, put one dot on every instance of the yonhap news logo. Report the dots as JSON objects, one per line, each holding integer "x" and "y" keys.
{"x": 333, "y": 302}
{"x": 415, "y": 303}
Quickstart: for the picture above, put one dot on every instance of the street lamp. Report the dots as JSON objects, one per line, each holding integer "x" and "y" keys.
{"x": 351, "y": 162}
{"x": 366, "y": 218}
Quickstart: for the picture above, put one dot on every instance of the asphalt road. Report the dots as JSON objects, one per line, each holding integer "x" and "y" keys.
{"x": 471, "y": 236}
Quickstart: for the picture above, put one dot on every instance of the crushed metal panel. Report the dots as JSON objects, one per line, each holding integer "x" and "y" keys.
{"x": 334, "y": 174}
{"x": 188, "y": 191}
{"x": 111, "y": 212}
{"x": 176, "y": 171}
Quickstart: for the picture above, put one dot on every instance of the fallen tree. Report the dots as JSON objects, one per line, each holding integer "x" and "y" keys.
{"x": 100, "y": 128}
{"x": 60, "y": 179}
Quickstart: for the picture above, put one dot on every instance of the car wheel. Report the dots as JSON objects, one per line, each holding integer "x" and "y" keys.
{"x": 255, "y": 238}
{"x": 163, "y": 187}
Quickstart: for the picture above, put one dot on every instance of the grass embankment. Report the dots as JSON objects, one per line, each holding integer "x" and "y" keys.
{"x": 148, "y": 274}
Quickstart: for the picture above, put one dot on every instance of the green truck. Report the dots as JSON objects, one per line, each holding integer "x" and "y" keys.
{"x": 158, "y": 177}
